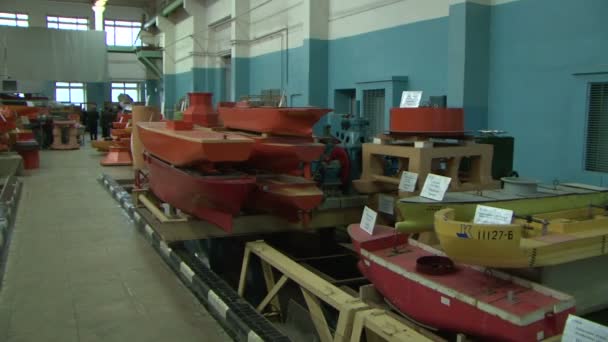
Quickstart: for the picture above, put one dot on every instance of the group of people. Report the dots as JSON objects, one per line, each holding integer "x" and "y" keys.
{"x": 93, "y": 120}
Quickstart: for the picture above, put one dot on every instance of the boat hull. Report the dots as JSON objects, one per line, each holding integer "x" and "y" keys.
{"x": 273, "y": 120}
{"x": 419, "y": 213}
{"x": 285, "y": 155}
{"x": 462, "y": 301}
{"x": 188, "y": 147}
{"x": 290, "y": 197}
{"x": 508, "y": 246}
{"x": 212, "y": 198}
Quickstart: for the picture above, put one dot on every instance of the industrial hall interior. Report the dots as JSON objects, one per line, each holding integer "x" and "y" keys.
{"x": 303, "y": 170}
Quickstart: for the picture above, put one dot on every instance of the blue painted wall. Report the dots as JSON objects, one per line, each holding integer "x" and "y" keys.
{"x": 536, "y": 48}
{"x": 197, "y": 80}
{"x": 279, "y": 70}
{"x": 418, "y": 51}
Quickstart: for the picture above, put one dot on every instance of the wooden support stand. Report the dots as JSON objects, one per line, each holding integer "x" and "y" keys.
{"x": 354, "y": 314}
{"x": 314, "y": 288}
{"x": 423, "y": 160}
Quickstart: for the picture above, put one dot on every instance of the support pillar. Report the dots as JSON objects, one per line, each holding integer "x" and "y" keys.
{"x": 468, "y": 58}
{"x": 316, "y": 53}
{"x": 239, "y": 32}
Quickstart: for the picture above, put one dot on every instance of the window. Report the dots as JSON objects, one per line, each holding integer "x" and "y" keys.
{"x": 122, "y": 33}
{"x": 129, "y": 88}
{"x": 14, "y": 19}
{"x": 65, "y": 23}
{"x": 596, "y": 154}
{"x": 70, "y": 92}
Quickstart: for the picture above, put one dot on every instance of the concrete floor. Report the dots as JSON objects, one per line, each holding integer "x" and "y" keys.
{"x": 77, "y": 269}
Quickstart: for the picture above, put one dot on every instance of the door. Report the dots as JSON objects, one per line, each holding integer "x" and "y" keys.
{"x": 373, "y": 110}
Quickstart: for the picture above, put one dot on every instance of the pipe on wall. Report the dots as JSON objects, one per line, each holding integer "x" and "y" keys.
{"x": 171, "y": 7}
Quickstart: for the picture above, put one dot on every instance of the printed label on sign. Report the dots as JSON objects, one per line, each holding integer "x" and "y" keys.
{"x": 580, "y": 329}
{"x": 435, "y": 187}
{"x": 368, "y": 220}
{"x": 445, "y": 301}
{"x": 386, "y": 204}
{"x": 491, "y": 215}
{"x": 408, "y": 181}
{"x": 410, "y": 99}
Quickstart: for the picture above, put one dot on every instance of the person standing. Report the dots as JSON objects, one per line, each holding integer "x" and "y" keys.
{"x": 92, "y": 121}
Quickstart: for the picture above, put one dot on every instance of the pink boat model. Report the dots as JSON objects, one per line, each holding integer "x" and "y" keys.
{"x": 216, "y": 198}
{"x": 292, "y": 121}
{"x": 181, "y": 143}
{"x": 427, "y": 287}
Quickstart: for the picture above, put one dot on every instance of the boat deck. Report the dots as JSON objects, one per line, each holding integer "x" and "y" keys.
{"x": 497, "y": 195}
{"x": 493, "y": 294}
{"x": 77, "y": 269}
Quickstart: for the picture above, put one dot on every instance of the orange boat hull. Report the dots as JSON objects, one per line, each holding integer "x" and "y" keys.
{"x": 273, "y": 120}
{"x": 188, "y": 147}
{"x": 285, "y": 154}
{"x": 290, "y": 197}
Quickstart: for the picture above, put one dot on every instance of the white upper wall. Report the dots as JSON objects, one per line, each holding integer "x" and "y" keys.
{"x": 353, "y": 17}
{"x": 285, "y": 18}
{"x": 125, "y": 67}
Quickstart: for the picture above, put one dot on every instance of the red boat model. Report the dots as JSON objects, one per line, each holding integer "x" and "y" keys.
{"x": 427, "y": 120}
{"x": 214, "y": 198}
{"x": 182, "y": 146}
{"x": 287, "y": 196}
{"x": 200, "y": 111}
{"x": 430, "y": 289}
{"x": 292, "y": 121}
{"x": 290, "y": 155}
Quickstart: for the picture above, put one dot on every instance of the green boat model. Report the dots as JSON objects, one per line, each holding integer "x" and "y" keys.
{"x": 416, "y": 214}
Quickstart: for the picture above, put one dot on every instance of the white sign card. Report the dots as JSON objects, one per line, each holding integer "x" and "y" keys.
{"x": 386, "y": 204}
{"x": 410, "y": 99}
{"x": 368, "y": 220}
{"x": 435, "y": 187}
{"x": 408, "y": 181}
{"x": 491, "y": 215}
{"x": 580, "y": 329}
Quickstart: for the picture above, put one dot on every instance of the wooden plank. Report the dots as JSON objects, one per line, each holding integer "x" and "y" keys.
{"x": 198, "y": 230}
{"x": 157, "y": 212}
{"x": 270, "y": 283}
{"x": 386, "y": 327}
{"x": 272, "y": 294}
{"x": 318, "y": 318}
{"x": 243, "y": 277}
{"x": 344, "y": 328}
